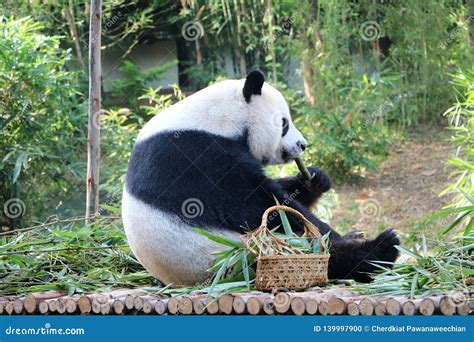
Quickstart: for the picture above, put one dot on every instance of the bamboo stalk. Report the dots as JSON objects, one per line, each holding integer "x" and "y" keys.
{"x": 304, "y": 171}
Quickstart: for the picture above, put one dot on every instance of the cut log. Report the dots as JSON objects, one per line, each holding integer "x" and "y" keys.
{"x": 225, "y": 304}
{"x": 353, "y": 309}
{"x": 255, "y": 305}
{"x": 61, "y": 305}
{"x": 161, "y": 306}
{"x": 149, "y": 306}
{"x": 199, "y": 305}
{"x": 298, "y": 305}
{"x": 106, "y": 308}
{"x": 71, "y": 304}
{"x": 324, "y": 308}
{"x": 18, "y": 306}
{"x": 173, "y": 305}
{"x": 393, "y": 306}
{"x": 463, "y": 309}
{"x": 427, "y": 306}
{"x": 118, "y": 306}
{"x": 380, "y": 308}
{"x": 411, "y": 307}
{"x": 239, "y": 305}
{"x": 212, "y": 305}
{"x": 52, "y": 305}
{"x": 130, "y": 301}
{"x": 282, "y": 302}
{"x": 367, "y": 306}
{"x": 32, "y": 300}
{"x": 268, "y": 306}
{"x": 447, "y": 306}
{"x": 337, "y": 306}
{"x": 85, "y": 304}
{"x": 9, "y": 308}
{"x": 185, "y": 306}
{"x": 43, "y": 307}
{"x": 311, "y": 306}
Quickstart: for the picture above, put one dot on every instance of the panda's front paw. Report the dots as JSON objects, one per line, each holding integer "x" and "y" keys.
{"x": 320, "y": 180}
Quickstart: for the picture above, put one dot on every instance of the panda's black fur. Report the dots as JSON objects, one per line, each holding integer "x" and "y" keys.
{"x": 169, "y": 167}
{"x": 235, "y": 192}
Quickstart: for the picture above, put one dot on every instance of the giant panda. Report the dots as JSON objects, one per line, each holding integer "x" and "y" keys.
{"x": 199, "y": 163}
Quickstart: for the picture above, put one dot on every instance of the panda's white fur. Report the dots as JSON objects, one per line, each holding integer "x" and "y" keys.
{"x": 165, "y": 246}
{"x": 163, "y": 243}
{"x": 221, "y": 109}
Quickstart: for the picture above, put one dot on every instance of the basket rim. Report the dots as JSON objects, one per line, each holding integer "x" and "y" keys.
{"x": 296, "y": 256}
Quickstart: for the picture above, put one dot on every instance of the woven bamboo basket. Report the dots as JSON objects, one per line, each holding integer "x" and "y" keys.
{"x": 279, "y": 266}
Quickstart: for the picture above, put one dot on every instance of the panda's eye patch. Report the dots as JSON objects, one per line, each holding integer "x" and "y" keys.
{"x": 286, "y": 126}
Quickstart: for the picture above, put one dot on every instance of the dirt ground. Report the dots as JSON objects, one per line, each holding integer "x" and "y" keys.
{"x": 404, "y": 190}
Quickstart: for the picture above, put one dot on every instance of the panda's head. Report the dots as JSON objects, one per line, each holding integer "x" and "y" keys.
{"x": 273, "y": 139}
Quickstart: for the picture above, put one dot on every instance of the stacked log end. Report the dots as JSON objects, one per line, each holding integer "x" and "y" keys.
{"x": 314, "y": 302}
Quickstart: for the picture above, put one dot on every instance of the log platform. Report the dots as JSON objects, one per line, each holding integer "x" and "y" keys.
{"x": 332, "y": 301}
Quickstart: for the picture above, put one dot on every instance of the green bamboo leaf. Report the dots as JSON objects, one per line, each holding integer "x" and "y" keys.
{"x": 409, "y": 253}
{"x": 245, "y": 269}
{"x": 223, "y": 240}
{"x": 414, "y": 284}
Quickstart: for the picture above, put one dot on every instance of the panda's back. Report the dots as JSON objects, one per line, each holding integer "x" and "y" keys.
{"x": 179, "y": 180}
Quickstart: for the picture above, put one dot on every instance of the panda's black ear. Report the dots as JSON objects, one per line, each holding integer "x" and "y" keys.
{"x": 253, "y": 84}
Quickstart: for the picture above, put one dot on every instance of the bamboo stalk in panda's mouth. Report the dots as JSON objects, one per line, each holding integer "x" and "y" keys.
{"x": 304, "y": 171}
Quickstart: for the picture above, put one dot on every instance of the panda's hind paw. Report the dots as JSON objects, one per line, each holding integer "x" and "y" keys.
{"x": 383, "y": 246}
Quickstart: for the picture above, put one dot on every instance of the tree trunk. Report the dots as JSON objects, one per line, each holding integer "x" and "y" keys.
{"x": 93, "y": 128}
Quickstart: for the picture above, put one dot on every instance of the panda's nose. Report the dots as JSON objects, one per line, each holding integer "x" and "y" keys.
{"x": 301, "y": 144}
